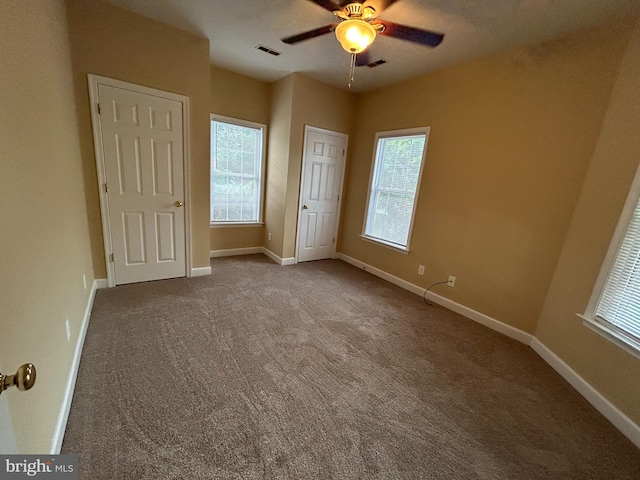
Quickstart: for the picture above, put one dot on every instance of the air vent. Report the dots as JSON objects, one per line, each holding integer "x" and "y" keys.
{"x": 268, "y": 50}
{"x": 375, "y": 64}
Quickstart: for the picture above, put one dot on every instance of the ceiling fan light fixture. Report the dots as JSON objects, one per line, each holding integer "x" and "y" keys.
{"x": 355, "y": 35}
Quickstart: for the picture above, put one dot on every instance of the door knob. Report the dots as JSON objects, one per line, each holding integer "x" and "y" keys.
{"x": 304, "y": 207}
{"x": 24, "y": 378}
{"x": 178, "y": 203}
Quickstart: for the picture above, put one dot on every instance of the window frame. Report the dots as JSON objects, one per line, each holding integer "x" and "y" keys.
{"x": 373, "y": 175}
{"x": 263, "y": 156}
{"x": 589, "y": 317}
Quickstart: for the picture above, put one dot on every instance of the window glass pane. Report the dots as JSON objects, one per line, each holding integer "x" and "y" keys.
{"x": 393, "y": 190}
{"x": 401, "y": 163}
{"x": 620, "y": 300}
{"x": 235, "y": 164}
{"x": 248, "y": 163}
{"x": 392, "y": 217}
{"x": 236, "y": 156}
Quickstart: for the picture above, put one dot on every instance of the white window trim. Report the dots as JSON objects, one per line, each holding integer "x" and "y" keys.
{"x": 384, "y": 243}
{"x": 589, "y": 318}
{"x": 263, "y": 158}
{"x": 235, "y": 224}
{"x": 390, "y": 134}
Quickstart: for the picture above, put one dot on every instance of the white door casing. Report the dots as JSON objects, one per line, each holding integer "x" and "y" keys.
{"x": 140, "y": 137}
{"x": 320, "y": 192}
{"x": 7, "y": 436}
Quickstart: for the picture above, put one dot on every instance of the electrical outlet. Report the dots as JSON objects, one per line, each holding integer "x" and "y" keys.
{"x": 68, "y": 327}
{"x": 421, "y": 270}
{"x": 84, "y": 280}
{"x": 452, "y": 281}
{"x": 269, "y": 236}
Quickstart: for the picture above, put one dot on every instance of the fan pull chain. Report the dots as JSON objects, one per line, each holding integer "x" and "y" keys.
{"x": 352, "y": 70}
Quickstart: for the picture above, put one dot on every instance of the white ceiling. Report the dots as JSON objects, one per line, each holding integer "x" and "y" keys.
{"x": 472, "y": 28}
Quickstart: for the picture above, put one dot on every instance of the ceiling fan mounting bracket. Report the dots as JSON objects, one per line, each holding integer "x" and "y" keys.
{"x": 356, "y": 11}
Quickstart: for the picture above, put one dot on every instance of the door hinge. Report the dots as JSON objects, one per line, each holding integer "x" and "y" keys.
{"x": 112, "y": 258}
{"x": 99, "y": 110}
{"x": 334, "y": 239}
{"x": 106, "y": 188}
{"x": 338, "y": 197}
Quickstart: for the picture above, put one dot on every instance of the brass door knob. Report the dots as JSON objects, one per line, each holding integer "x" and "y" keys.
{"x": 178, "y": 203}
{"x": 24, "y": 378}
{"x": 304, "y": 207}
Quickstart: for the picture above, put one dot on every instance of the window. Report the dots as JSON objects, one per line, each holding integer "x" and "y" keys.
{"x": 237, "y": 163}
{"x": 395, "y": 179}
{"x": 614, "y": 310}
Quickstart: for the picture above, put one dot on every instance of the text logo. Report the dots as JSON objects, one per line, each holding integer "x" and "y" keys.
{"x": 52, "y": 467}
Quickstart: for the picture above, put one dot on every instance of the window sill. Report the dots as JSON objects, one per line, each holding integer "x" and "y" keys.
{"x": 627, "y": 344}
{"x": 382, "y": 243}
{"x": 236, "y": 224}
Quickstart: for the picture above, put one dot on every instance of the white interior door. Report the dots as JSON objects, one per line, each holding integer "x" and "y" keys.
{"x": 142, "y": 141}
{"x": 322, "y": 174}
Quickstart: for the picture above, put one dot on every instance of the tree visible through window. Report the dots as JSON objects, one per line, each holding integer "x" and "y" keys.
{"x": 236, "y": 171}
{"x": 394, "y": 184}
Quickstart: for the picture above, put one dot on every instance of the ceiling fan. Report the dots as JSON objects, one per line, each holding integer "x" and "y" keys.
{"x": 358, "y": 27}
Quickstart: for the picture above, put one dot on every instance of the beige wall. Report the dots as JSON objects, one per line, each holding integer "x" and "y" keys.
{"x": 297, "y": 101}
{"x": 242, "y": 97}
{"x": 115, "y": 43}
{"x": 238, "y": 96}
{"x": 45, "y": 235}
{"x": 611, "y": 370}
{"x": 511, "y": 137}
{"x": 278, "y": 163}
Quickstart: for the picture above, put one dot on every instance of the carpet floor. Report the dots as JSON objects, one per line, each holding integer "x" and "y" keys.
{"x": 320, "y": 371}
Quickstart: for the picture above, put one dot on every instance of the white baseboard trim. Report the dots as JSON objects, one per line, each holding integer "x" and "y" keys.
{"x": 623, "y": 423}
{"x": 481, "y": 318}
{"x": 272, "y": 256}
{"x": 382, "y": 274}
{"x": 232, "y": 252}
{"x": 63, "y": 416}
{"x": 474, "y": 315}
{"x": 277, "y": 259}
{"x": 200, "y": 271}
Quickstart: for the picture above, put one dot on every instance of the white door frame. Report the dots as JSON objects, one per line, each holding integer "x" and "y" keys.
{"x": 307, "y": 129}
{"x": 7, "y": 435}
{"x": 94, "y": 81}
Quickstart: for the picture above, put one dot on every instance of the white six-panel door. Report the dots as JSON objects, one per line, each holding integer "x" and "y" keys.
{"x": 142, "y": 139}
{"x": 323, "y": 167}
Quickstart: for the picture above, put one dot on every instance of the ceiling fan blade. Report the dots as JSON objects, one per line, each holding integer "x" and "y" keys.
{"x": 310, "y": 34}
{"x": 326, "y": 4}
{"x": 411, "y": 34}
{"x": 363, "y": 59}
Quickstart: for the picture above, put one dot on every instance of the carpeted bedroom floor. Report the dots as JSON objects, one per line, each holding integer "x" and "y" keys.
{"x": 320, "y": 371}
